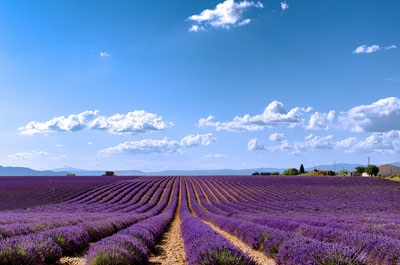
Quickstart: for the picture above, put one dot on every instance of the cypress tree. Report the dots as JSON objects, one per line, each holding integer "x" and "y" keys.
{"x": 301, "y": 171}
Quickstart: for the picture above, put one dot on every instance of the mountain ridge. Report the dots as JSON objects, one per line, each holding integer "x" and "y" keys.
{"x": 25, "y": 171}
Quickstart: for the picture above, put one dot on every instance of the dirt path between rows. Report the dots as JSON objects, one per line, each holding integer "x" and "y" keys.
{"x": 256, "y": 255}
{"x": 72, "y": 261}
{"x": 171, "y": 248}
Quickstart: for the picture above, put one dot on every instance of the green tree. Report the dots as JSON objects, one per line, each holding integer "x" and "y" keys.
{"x": 290, "y": 172}
{"x": 360, "y": 169}
{"x": 301, "y": 171}
{"x": 343, "y": 172}
{"x": 372, "y": 170}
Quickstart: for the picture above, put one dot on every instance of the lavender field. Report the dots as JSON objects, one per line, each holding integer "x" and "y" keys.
{"x": 125, "y": 220}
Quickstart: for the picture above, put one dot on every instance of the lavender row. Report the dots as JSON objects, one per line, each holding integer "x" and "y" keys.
{"x": 46, "y": 190}
{"x": 376, "y": 249}
{"x": 274, "y": 242}
{"x": 90, "y": 200}
{"x": 205, "y": 246}
{"x": 234, "y": 208}
{"x": 58, "y": 221}
{"x": 68, "y": 239}
{"x": 55, "y": 220}
{"x": 133, "y": 244}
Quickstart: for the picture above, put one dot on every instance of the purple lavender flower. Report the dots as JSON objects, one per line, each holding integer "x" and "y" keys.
{"x": 19, "y": 251}
{"x": 71, "y": 239}
{"x": 118, "y": 250}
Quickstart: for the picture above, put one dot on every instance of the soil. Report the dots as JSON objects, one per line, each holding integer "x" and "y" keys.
{"x": 171, "y": 248}
{"x": 72, "y": 261}
{"x": 256, "y": 255}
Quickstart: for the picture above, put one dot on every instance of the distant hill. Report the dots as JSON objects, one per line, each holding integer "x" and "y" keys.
{"x": 397, "y": 164}
{"x": 25, "y": 171}
{"x": 68, "y": 169}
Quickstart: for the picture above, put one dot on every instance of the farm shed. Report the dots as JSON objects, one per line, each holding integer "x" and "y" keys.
{"x": 387, "y": 170}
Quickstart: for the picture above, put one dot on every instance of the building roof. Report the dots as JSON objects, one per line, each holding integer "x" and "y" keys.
{"x": 388, "y": 169}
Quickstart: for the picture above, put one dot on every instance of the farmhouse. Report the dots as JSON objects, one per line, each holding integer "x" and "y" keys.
{"x": 387, "y": 170}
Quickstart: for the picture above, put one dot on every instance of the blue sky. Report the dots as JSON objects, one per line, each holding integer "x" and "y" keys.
{"x": 198, "y": 84}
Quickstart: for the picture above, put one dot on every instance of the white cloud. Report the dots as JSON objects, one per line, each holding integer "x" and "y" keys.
{"x": 318, "y": 142}
{"x": 309, "y": 109}
{"x": 284, "y": 5}
{"x": 148, "y": 146}
{"x": 196, "y": 28}
{"x": 308, "y": 137}
{"x": 386, "y": 142}
{"x": 32, "y": 157}
{"x": 311, "y": 143}
{"x": 215, "y": 156}
{"x": 320, "y": 120}
{"x": 297, "y": 147}
{"x": 26, "y": 156}
{"x": 244, "y": 22}
{"x": 273, "y": 114}
{"x": 254, "y": 144}
{"x": 224, "y": 15}
{"x": 366, "y": 49}
{"x": 198, "y": 140}
{"x": 145, "y": 146}
{"x": 276, "y": 137}
{"x": 104, "y": 54}
{"x": 380, "y": 116}
{"x": 390, "y": 47}
{"x": 130, "y": 123}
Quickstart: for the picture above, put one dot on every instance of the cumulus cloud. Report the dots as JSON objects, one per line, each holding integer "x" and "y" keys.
{"x": 276, "y": 137}
{"x": 273, "y": 114}
{"x": 225, "y": 15}
{"x": 311, "y": 143}
{"x": 366, "y": 49}
{"x": 284, "y": 5}
{"x": 297, "y": 147}
{"x": 145, "y": 146}
{"x": 131, "y": 123}
{"x": 385, "y": 142}
{"x": 164, "y": 145}
{"x": 380, "y": 116}
{"x": 320, "y": 120}
{"x": 254, "y": 144}
{"x": 198, "y": 140}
